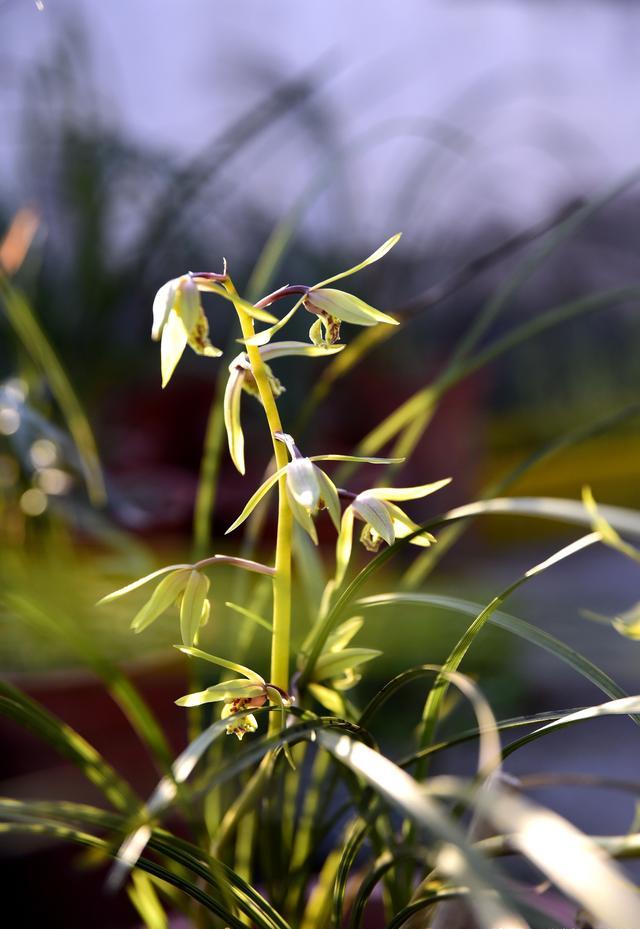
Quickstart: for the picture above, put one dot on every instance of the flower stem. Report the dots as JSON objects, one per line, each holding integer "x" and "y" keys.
{"x": 280, "y": 642}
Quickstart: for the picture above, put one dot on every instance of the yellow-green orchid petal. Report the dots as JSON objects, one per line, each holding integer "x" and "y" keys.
{"x": 375, "y": 514}
{"x": 221, "y": 662}
{"x": 192, "y": 606}
{"x": 344, "y": 545}
{"x": 162, "y": 304}
{"x": 123, "y": 591}
{"x": 330, "y": 497}
{"x": 375, "y": 256}
{"x": 346, "y": 307}
{"x": 303, "y": 483}
{"x": 254, "y": 312}
{"x": 302, "y": 515}
{"x": 257, "y": 497}
{"x": 404, "y": 526}
{"x": 165, "y": 594}
{"x": 357, "y": 458}
{"x": 262, "y": 338}
{"x": 331, "y": 664}
{"x": 204, "y": 619}
{"x": 173, "y": 343}
{"x": 407, "y": 493}
{"x": 238, "y": 688}
{"x": 231, "y": 408}
{"x": 342, "y": 635}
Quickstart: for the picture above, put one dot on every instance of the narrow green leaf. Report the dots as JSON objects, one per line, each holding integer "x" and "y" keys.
{"x": 192, "y": 606}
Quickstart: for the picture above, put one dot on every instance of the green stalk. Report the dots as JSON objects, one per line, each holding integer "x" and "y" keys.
{"x": 280, "y": 641}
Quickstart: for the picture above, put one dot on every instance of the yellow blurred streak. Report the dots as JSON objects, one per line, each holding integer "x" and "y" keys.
{"x": 17, "y": 240}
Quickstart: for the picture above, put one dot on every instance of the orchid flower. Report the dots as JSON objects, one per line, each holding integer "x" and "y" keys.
{"x": 185, "y": 585}
{"x": 308, "y": 488}
{"x": 333, "y": 306}
{"x": 241, "y": 378}
{"x": 383, "y": 520}
{"x": 179, "y": 318}
{"x": 244, "y": 693}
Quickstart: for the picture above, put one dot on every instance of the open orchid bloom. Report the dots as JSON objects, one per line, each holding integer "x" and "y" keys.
{"x": 309, "y": 489}
{"x": 241, "y": 378}
{"x": 184, "y": 585}
{"x": 333, "y": 306}
{"x": 383, "y": 520}
{"x": 179, "y": 319}
{"x": 244, "y": 693}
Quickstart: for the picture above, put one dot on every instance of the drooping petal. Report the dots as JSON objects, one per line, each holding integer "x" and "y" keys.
{"x": 162, "y": 304}
{"x": 404, "y": 526}
{"x": 199, "y": 339}
{"x": 282, "y": 349}
{"x": 346, "y": 307}
{"x": 357, "y": 458}
{"x": 254, "y": 312}
{"x": 257, "y": 497}
{"x": 375, "y": 256}
{"x": 122, "y": 591}
{"x": 165, "y": 594}
{"x": 222, "y": 663}
{"x": 192, "y": 605}
{"x": 232, "y": 421}
{"x": 303, "y": 483}
{"x": 330, "y": 497}
{"x": 204, "y": 618}
{"x": 187, "y": 302}
{"x": 341, "y": 636}
{"x": 344, "y": 545}
{"x": 173, "y": 343}
{"x": 262, "y": 338}
{"x": 331, "y": 664}
{"x": 375, "y": 513}
{"x": 302, "y": 516}
{"x": 407, "y": 493}
{"x": 228, "y": 690}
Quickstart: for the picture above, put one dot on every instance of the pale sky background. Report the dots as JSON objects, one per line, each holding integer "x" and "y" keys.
{"x": 548, "y": 90}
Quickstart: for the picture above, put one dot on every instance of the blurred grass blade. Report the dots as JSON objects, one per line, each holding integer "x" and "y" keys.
{"x": 143, "y": 895}
{"x": 427, "y": 560}
{"x": 406, "y": 794}
{"x": 513, "y": 625}
{"x": 623, "y": 706}
{"x": 142, "y": 720}
{"x": 419, "y": 408}
{"x": 622, "y": 519}
{"x": 177, "y": 850}
{"x": 23, "y": 320}
{"x": 567, "y": 856}
{"x": 68, "y": 743}
{"x": 64, "y": 833}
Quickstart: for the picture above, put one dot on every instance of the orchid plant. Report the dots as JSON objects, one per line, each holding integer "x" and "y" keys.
{"x": 307, "y": 824}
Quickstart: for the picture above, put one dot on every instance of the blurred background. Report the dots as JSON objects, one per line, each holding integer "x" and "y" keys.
{"x": 141, "y": 140}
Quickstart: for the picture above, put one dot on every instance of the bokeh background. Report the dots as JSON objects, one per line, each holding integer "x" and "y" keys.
{"x": 153, "y": 137}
